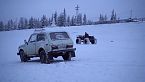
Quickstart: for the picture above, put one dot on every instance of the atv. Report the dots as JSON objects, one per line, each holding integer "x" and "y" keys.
{"x": 86, "y": 39}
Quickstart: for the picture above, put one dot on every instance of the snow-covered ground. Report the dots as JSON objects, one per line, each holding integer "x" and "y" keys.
{"x": 118, "y": 56}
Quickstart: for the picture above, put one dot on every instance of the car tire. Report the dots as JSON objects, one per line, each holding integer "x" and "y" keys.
{"x": 44, "y": 57}
{"x": 67, "y": 56}
{"x": 23, "y": 57}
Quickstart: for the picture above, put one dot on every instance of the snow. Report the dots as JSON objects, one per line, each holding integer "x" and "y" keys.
{"x": 118, "y": 56}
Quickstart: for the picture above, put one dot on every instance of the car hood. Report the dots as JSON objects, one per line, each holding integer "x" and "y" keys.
{"x": 21, "y": 46}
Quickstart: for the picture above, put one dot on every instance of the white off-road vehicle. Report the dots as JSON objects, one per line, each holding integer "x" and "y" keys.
{"x": 47, "y": 45}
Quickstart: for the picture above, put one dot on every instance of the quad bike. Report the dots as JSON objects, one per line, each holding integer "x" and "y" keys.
{"x": 86, "y": 40}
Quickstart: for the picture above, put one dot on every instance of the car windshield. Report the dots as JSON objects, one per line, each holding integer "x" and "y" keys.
{"x": 59, "y": 36}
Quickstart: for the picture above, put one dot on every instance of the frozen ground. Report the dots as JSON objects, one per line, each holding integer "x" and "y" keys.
{"x": 118, "y": 56}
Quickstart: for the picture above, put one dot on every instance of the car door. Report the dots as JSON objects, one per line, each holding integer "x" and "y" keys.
{"x": 40, "y": 41}
{"x": 31, "y": 47}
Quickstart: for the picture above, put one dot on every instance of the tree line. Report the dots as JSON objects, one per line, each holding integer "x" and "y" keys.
{"x": 61, "y": 20}
{"x": 56, "y": 19}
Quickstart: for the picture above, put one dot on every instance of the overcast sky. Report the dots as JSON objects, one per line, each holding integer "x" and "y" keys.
{"x": 14, "y": 9}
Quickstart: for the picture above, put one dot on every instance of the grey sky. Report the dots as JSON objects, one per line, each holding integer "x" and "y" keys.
{"x": 14, "y": 9}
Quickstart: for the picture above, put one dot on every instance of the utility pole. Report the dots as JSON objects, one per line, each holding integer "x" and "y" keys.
{"x": 131, "y": 14}
{"x": 77, "y": 12}
{"x": 53, "y": 21}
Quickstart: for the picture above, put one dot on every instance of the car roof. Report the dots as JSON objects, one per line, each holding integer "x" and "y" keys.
{"x": 39, "y": 31}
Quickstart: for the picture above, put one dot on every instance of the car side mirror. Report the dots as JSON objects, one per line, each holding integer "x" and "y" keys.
{"x": 25, "y": 41}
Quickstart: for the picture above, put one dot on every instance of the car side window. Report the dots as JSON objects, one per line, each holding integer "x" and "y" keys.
{"x": 41, "y": 37}
{"x": 32, "y": 38}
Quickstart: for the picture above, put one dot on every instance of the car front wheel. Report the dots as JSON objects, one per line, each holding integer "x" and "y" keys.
{"x": 23, "y": 57}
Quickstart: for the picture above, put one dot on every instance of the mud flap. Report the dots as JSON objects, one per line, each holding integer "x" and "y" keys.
{"x": 73, "y": 54}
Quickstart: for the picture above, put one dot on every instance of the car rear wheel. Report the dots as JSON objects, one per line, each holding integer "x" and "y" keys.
{"x": 44, "y": 57}
{"x": 67, "y": 56}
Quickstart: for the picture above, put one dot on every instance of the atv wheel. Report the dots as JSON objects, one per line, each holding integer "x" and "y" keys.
{"x": 93, "y": 41}
{"x": 78, "y": 41}
{"x": 86, "y": 41}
